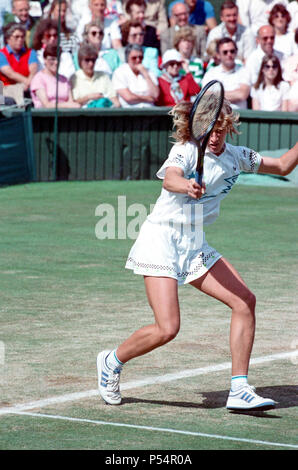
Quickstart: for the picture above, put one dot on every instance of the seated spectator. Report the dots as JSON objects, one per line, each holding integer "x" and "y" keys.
{"x": 133, "y": 32}
{"x": 156, "y": 16}
{"x": 20, "y": 14}
{"x": 265, "y": 41}
{"x": 293, "y": 10}
{"x": 44, "y": 89}
{"x": 229, "y": 27}
{"x": 293, "y": 98}
{"x": 47, "y": 33}
{"x": 201, "y": 12}
{"x": 254, "y": 14}
{"x": 184, "y": 42}
{"x": 230, "y": 73}
{"x": 136, "y": 86}
{"x": 96, "y": 11}
{"x": 290, "y": 66}
{"x": 18, "y": 64}
{"x": 5, "y": 8}
{"x": 280, "y": 19}
{"x": 175, "y": 87}
{"x": 135, "y": 10}
{"x": 69, "y": 41}
{"x": 107, "y": 60}
{"x": 180, "y": 19}
{"x": 92, "y": 89}
{"x": 270, "y": 91}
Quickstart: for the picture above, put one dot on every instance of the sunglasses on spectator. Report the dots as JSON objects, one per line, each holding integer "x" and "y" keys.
{"x": 134, "y": 58}
{"x": 48, "y": 35}
{"x": 231, "y": 51}
{"x": 172, "y": 63}
{"x": 96, "y": 33}
{"x": 273, "y": 66}
{"x": 266, "y": 38}
{"x": 89, "y": 59}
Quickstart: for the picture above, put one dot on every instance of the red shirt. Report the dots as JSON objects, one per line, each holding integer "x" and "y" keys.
{"x": 21, "y": 66}
{"x": 187, "y": 84}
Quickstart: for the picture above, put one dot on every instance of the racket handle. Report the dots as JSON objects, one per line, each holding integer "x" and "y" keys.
{"x": 199, "y": 178}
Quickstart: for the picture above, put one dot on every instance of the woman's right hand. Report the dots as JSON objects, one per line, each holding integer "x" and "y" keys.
{"x": 194, "y": 190}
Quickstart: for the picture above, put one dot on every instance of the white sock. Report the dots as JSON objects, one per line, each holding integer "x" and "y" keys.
{"x": 238, "y": 381}
{"x": 113, "y": 362}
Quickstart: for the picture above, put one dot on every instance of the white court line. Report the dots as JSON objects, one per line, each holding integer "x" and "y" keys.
{"x": 141, "y": 383}
{"x": 163, "y": 430}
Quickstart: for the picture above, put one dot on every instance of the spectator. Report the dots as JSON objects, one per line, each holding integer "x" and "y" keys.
{"x": 135, "y": 85}
{"x": 18, "y": 64}
{"x": 47, "y": 33}
{"x": 179, "y": 19}
{"x": 293, "y": 10}
{"x": 69, "y": 41}
{"x": 20, "y": 14}
{"x": 254, "y": 14}
{"x": 184, "y": 41}
{"x": 44, "y": 89}
{"x": 231, "y": 74}
{"x": 290, "y": 68}
{"x": 270, "y": 91}
{"x": 156, "y": 16}
{"x": 135, "y": 10}
{"x": 293, "y": 98}
{"x": 229, "y": 27}
{"x": 90, "y": 88}
{"x": 175, "y": 87}
{"x": 133, "y": 32}
{"x": 201, "y": 12}
{"x": 5, "y": 8}
{"x": 96, "y": 11}
{"x": 265, "y": 41}
{"x": 280, "y": 19}
{"x": 107, "y": 60}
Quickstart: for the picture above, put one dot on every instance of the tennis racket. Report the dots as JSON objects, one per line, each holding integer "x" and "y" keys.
{"x": 203, "y": 116}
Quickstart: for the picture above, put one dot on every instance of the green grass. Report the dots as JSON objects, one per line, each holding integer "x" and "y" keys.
{"x": 65, "y": 295}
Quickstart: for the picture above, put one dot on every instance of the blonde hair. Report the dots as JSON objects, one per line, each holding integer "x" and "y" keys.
{"x": 185, "y": 33}
{"x": 228, "y": 121}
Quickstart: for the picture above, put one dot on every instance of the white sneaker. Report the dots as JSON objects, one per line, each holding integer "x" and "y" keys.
{"x": 246, "y": 398}
{"x": 108, "y": 380}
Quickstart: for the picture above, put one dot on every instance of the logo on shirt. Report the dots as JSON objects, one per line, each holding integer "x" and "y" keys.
{"x": 231, "y": 181}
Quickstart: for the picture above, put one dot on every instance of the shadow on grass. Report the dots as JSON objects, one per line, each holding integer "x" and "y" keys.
{"x": 286, "y": 396}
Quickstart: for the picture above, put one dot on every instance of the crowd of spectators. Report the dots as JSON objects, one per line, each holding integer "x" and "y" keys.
{"x": 144, "y": 53}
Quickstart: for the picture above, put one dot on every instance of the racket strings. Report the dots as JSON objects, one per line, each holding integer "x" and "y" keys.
{"x": 207, "y": 110}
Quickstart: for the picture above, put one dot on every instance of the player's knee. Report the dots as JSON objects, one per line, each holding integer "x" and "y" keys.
{"x": 169, "y": 333}
{"x": 246, "y": 304}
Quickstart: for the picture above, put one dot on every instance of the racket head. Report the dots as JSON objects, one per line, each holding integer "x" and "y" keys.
{"x": 204, "y": 114}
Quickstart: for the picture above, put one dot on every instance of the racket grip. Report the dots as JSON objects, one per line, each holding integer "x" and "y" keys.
{"x": 198, "y": 178}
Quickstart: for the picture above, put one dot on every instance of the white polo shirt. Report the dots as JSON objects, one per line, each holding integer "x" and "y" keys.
{"x": 230, "y": 79}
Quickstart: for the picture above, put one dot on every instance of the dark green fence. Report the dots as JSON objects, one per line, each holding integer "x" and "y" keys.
{"x": 132, "y": 144}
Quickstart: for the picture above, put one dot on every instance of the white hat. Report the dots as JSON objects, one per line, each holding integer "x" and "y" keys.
{"x": 171, "y": 54}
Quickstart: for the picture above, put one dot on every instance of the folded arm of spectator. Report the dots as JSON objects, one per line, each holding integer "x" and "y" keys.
{"x": 240, "y": 94}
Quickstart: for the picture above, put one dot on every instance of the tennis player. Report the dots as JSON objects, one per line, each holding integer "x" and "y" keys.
{"x": 168, "y": 253}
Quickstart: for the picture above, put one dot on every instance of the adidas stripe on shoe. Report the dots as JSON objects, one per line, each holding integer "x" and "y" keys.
{"x": 246, "y": 398}
{"x": 108, "y": 380}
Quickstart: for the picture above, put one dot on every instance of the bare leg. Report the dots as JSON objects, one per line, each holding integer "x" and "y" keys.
{"x": 224, "y": 283}
{"x": 162, "y": 295}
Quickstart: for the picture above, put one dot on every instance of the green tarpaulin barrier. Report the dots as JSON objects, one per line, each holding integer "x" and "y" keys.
{"x": 17, "y": 161}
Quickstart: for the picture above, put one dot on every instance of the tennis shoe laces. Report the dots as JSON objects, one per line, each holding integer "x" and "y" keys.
{"x": 246, "y": 399}
{"x": 108, "y": 380}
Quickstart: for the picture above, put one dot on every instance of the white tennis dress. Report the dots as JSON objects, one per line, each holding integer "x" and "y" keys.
{"x": 171, "y": 242}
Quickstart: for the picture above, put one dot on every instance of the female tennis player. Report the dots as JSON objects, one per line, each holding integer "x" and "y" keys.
{"x": 168, "y": 253}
